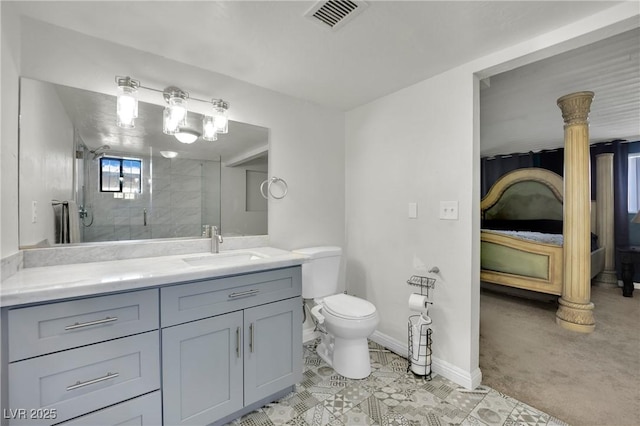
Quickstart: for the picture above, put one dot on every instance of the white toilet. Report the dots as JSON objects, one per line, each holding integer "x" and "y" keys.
{"x": 348, "y": 320}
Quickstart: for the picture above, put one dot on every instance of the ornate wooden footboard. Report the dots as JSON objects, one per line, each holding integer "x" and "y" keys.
{"x": 515, "y": 262}
{"x": 524, "y": 195}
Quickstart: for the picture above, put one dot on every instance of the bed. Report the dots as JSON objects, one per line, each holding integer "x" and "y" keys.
{"x": 521, "y": 236}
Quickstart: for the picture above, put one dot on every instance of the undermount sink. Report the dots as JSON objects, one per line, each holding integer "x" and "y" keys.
{"x": 216, "y": 259}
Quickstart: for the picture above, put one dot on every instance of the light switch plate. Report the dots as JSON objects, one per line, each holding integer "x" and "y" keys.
{"x": 449, "y": 210}
{"x": 413, "y": 210}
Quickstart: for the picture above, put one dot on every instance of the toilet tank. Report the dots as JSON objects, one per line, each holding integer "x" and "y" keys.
{"x": 320, "y": 274}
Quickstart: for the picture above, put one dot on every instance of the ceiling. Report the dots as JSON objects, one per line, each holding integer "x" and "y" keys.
{"x": 518, "y": 110}
{"x": 389, "y": 46}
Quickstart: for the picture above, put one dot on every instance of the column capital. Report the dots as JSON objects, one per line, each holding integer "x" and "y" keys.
{"x": 575, "y": 107}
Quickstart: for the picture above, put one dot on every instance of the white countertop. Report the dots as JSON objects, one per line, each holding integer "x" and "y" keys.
{"x": 48, "y": 283}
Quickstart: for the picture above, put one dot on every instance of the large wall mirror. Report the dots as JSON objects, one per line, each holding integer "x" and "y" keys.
{"x": 82, "y": 179}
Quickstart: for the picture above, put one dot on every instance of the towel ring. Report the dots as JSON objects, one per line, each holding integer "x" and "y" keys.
{"x": 270, "y": 182}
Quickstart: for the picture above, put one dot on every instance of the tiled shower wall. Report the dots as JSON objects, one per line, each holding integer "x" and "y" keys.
{"x": 180, "y": 197}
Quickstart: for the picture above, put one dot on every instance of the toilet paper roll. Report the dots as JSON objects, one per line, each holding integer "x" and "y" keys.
{"x": 418, "y": 303}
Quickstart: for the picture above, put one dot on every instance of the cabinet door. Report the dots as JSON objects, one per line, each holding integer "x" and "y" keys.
{"x": 202, "y": 370}
{"x": 273, "y": 348}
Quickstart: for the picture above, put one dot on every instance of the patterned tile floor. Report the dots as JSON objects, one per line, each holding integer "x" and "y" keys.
{"x": 389, "y": 397}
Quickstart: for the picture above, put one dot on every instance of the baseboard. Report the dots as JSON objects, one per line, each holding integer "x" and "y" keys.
{"x": 390, "y": 343}
{"x": 468, "y": 380}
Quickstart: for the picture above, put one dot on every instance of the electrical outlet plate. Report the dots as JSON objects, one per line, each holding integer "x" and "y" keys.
{"x": 449, "y": 210}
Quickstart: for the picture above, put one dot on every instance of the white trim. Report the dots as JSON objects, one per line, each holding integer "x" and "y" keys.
{"x": 469, "y": 380}
{"x": 390, "y": 343}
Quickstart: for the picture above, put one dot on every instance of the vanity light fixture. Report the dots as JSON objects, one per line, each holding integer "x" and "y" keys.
{"x": 127, "y": 102}
{"x": 174, "y": 115}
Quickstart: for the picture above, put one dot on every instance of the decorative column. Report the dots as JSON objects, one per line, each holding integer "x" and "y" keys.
{"x": 604, "y": 219}
{"x": 576, "y": 310}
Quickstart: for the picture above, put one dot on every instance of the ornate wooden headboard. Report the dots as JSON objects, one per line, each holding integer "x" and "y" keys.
{"x": 524, "y": 194}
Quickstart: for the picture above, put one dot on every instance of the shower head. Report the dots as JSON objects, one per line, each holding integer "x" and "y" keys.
{"x": 99, "y": 151}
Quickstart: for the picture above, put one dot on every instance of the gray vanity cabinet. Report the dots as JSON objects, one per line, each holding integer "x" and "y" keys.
{"x": 195, "y": 353}
{"x": 231, "y": 362}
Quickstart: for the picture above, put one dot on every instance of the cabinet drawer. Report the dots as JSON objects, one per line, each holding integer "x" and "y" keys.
{"x": 144, "y": 411}
{"x": 78, "y": 381}
{"x": 190, "y": 302}
{"x": 39, "y": 330}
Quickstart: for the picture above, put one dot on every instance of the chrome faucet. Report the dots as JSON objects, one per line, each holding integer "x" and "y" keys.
{"x": 216, "y": 239}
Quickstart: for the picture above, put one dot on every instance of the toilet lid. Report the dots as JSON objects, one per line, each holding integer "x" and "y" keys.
{"x": 345, "y": 306}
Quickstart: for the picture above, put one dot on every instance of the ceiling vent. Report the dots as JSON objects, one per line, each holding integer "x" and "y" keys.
{"x": 334, "y": 14}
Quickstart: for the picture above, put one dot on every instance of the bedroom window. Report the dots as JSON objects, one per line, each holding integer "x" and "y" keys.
{"x": 122, "y": 176}
{"x": 633, "y": 191}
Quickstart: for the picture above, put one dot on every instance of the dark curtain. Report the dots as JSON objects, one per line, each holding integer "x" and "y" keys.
{"x": 492, "y": 168}
{"x": 620, "y": 150}
{"x": 551, "y": 160}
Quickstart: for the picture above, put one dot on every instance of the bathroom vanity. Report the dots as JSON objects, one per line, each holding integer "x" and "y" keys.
{"x": 184, "y": 340}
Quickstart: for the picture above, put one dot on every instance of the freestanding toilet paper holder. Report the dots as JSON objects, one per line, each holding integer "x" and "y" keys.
{"x": 425, "y": 283}
{"x": 419, "y": 331}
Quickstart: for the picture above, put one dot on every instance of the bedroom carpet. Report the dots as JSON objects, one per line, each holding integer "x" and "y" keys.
{"x": 582, "y": 379}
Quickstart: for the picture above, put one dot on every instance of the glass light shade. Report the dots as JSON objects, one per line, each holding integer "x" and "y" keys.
{"x": 174, "y": 116}
{"x": 220, "y": 120}
{"x": 169, "y": 154}
{"x": 187, "y": 136}
{"x": 169, "y": 127}
{"x": 209, "y": 129}
{"x": 127, "y": 106}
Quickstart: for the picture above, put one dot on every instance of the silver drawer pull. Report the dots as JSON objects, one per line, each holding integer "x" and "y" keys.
{"x": 238, "y": 342}
{"x": 92, "y": 382}
{"x": 244, "y": 293}
{"x": 90, "y": 323}
{"x": 251, "y": 338}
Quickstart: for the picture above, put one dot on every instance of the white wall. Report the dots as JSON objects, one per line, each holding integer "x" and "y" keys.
{"x": 421, "y": 144}
{"x": 300, "y": 134}
{"x": 46, "y": 160}
{"x": 9, "y": 75}
{"x": 236, "y": 219}
{"x": 415, "y": 145}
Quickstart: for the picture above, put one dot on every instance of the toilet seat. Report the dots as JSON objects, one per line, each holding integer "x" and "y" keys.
{"x": 348, "y": 307}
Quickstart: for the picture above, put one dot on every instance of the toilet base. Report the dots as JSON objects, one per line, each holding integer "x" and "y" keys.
{"x": 348, "y": 357}
{"x": 351, "y": 358}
